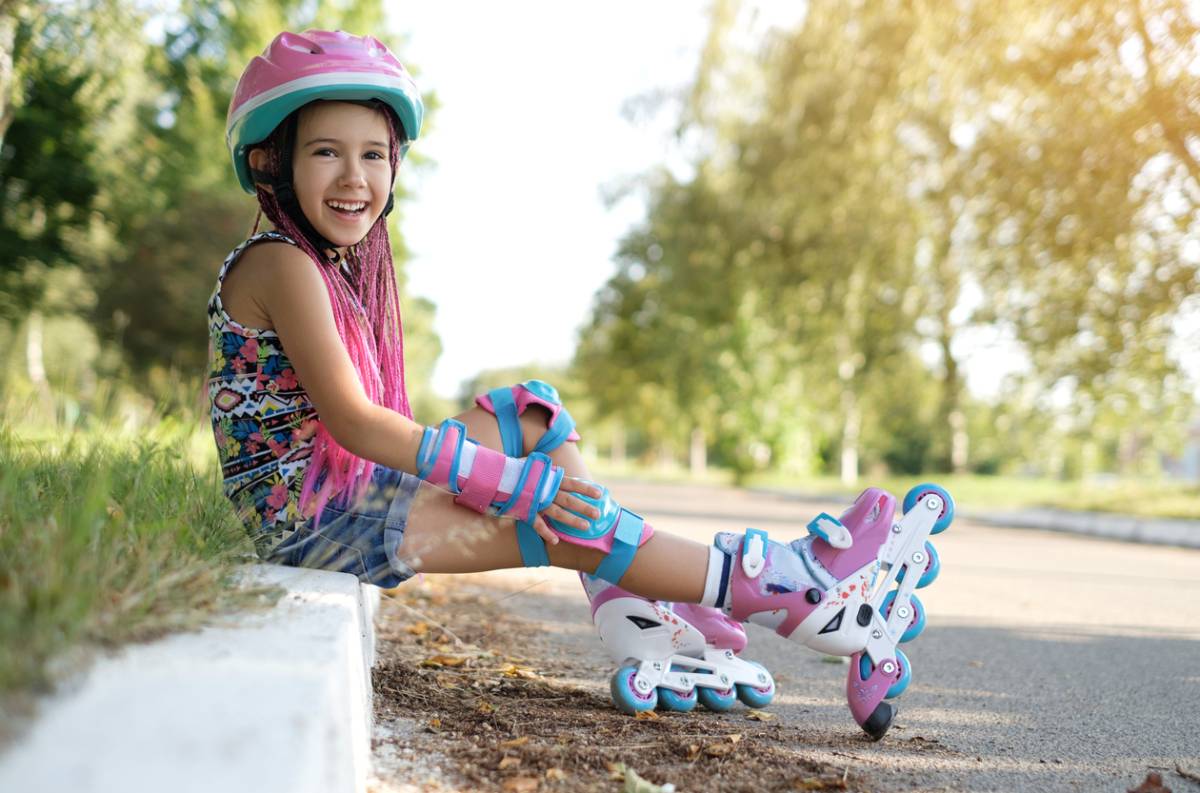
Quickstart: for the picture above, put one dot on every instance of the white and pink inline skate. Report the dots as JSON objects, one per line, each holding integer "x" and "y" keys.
{"x": 674, "y": 655}
{"x": 842, "y": 590}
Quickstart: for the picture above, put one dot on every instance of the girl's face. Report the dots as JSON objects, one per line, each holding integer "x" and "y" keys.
{"x": 340, "y": 169}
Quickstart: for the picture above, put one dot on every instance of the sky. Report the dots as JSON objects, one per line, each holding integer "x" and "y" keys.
{"x": 509, "y": 229}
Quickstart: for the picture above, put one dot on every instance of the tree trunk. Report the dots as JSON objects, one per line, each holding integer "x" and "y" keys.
{"x": 851, "y": 430}
{"x": 698, "y": 453}
{"x": 617, "y": 452}
{"x": 35, "y": 361}
{"x": 10, "y": 10}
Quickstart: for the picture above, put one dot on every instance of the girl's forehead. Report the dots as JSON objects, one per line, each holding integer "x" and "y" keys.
{"x": 346, "y": 119}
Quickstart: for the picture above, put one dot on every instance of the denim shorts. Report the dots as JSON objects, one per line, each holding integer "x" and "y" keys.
{"x": 363, "y": 538}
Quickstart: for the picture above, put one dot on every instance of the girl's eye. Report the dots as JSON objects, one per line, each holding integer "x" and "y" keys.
{"x": 320, "y": 152}
{"x": 375, "y": 155}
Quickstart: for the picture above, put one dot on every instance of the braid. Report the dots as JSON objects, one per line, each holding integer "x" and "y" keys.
{"x": 367, "y": 314}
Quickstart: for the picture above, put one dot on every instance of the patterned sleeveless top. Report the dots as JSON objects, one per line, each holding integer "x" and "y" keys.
{"x": 262, "y": 419}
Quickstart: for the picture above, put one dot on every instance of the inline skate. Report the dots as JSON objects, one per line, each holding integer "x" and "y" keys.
{"x": 674, "y": 655}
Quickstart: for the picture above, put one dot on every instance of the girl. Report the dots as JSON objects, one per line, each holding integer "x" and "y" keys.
{"x": 321, "y": 456}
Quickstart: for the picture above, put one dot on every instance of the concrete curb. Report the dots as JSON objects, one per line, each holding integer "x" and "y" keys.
{"x": 272, "y": 701}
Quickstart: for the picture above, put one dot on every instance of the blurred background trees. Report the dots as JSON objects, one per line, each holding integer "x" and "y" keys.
{"x": 877, "y": 195}
{"x": 880, "y": 188}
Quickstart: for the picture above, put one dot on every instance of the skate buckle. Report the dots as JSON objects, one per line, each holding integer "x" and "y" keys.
{"x": 754, "y": 552}
{"x": 831, "y": 530}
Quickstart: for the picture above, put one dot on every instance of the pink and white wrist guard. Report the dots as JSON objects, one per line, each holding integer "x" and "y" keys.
{"x": 483, "y": 479}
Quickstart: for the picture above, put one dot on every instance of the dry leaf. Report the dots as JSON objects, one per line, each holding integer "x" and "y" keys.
{"x": 509, "y": 762}
{"x": 442, "y": 659}
{"x": 520, "y": 784}
{"x": 758, "y": 715}
{"x": 719, "y": 749}
{"x": 693, "y": 751}
{"x": 616, "y": 771}
{"x": 512, "y": 670}
{"x": 975, "y": 664}
{"x": 1152, "y": 784}
{"x": 515, "y": 742}
{"x": 647, "y": 715}
{"x": 486, "y": 707}
{"x": 737, "y": 736}
{"x": 418, "y": 629}
{"x": 556, "y": 774}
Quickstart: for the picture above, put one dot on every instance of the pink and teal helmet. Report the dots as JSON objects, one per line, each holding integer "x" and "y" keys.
{"x": 298, "y": 68}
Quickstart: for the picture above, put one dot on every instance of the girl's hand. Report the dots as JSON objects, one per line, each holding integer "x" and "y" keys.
{"x": 564, "y": 503}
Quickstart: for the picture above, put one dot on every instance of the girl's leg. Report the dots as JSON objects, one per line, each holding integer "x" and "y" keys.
{"x": 443, "y": 537}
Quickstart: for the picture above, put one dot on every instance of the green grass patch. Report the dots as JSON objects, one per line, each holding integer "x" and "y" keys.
{"x": 1158, "y": 498}
{"x": 110, "y": 532}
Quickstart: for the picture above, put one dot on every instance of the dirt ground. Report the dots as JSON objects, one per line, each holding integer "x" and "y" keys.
{"x": 469, "y": 698}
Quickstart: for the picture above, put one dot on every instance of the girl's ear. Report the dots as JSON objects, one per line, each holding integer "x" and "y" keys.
{"x": 259, "y": 162}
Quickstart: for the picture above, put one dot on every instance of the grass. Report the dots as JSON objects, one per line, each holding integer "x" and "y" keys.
{"x": 1157, "y": 498}
{"x": 111, "y": 530}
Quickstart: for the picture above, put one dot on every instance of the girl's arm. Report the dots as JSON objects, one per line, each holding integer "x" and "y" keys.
{"x": 293, "y": 295}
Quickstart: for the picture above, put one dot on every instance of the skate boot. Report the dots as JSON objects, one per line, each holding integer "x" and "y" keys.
{"x": 672, "y": 656}
{"x": 846, "y": 589}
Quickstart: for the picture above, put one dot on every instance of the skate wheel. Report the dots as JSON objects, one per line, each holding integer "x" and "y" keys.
{"x": 944, "y": 517}
{"x": 901, "y": 684}
{"x": 626, "y": 696}
{"x": 933, "y": 566}
{"x": 903, "y": 674}
{"x": 674, "y": 701}
{"x": 757, "y": 696}
{"x": 714, "y": 700}
{"x": 915, "y": 625}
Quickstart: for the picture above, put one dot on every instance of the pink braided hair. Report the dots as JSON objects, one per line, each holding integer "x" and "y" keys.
{"x": 375, "y": 346}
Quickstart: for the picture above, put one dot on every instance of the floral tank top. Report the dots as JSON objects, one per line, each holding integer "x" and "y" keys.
{"x": 262, "y": 419}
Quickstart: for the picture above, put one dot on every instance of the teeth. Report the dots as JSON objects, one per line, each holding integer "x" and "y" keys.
{"x": 347, "y": 205}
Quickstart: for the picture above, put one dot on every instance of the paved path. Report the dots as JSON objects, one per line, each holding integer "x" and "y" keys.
{"x": 1051, "y": 662}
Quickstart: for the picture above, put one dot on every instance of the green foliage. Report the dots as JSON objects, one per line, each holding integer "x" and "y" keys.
{"x": 107, "y": 534}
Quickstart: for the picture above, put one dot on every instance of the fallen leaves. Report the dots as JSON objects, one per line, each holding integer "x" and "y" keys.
{"x": 647, "y": 715}
{"x": 515, "y": 742}
{"x": 508, "y": 762}
{"x": 515, "y": 670}
{"x": 443, "y": 660}
{"x": 520, "y": 784}
{"x": 726, "y": 747}
{"x": 759, "y": 715}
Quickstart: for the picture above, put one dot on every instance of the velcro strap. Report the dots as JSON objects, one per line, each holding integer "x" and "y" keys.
{"x": 451, "y": 435}
{"x": 523, "y": 505}
{"x": 533, "y": 547}
{"x": 479, "y": 490}
{"x": 627, "y": 537}
{"x": 505, "y": 409}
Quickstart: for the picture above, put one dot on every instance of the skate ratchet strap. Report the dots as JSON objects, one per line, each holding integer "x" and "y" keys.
{"x": 626, "y": 539}
{"x": 754, "y": 552}
{"x": 831, "y": 530}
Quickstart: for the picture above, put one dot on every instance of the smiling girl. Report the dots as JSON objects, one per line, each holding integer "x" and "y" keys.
{"x": 325, "y": 465}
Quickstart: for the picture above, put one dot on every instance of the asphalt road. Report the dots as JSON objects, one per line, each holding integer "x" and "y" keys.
{"x": 1050, "y": 662}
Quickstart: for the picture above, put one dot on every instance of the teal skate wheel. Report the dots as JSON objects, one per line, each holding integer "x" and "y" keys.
{"x": 904, "y": 674}
{"x": 715, "y": 700}
{"x": 674, "y": 701}
{"x": 945, "y": 517}
{"x": 933, "y": 566}
{"x": 626, "y": 696}
{"x": 757, "y": 696}
{"x": 915, "y": 625}
{"x": 901, "y": 684}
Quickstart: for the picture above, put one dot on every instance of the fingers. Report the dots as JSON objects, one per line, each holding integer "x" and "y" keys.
{"x": 544, "y": 531}
{"x": 572, "y": 484}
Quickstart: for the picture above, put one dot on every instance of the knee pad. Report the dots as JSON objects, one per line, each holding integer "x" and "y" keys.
{"x": 507, "y": 404}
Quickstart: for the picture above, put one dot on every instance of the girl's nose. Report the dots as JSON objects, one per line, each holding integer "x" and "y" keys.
{"x": 353, "y": 174}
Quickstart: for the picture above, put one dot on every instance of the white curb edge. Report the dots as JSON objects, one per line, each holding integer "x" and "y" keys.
{"x": 271, "y": 701}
